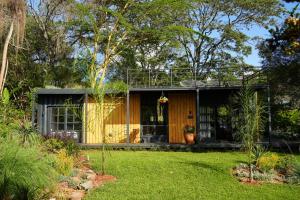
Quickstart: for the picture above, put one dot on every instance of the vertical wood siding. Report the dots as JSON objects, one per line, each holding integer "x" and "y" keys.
{"x": 180, "y": 105}
{"x": 110, "y": 120}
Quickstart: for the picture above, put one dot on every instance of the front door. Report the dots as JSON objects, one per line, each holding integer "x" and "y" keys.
{"x": 154, "y": 118}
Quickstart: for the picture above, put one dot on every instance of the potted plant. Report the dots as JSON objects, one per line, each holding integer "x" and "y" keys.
{"x": 189, "y": 134}
{"x": 163, "y": 99}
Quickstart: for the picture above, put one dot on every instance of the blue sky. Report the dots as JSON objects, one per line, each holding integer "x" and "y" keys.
{"x": 254, "y": 58}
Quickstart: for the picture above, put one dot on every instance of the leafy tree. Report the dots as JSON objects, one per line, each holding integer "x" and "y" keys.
{"x": 281, "y": 54}
{"x": 12, "y": 15}
{"x": 219, "y": 38}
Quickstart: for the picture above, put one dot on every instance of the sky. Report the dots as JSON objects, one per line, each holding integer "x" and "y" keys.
{"x": 254, "y": 58}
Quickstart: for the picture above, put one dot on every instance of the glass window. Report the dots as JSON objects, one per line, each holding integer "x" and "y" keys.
{"x": 63, "y": 118}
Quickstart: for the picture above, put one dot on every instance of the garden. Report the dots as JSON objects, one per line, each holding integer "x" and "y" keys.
{"x": 89, "y": 45}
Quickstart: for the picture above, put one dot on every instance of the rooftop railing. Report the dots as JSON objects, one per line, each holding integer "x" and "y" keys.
{"x": 188, "y": 78}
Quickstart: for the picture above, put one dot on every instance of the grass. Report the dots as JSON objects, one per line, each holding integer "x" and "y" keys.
{"x": 180, "y": 175}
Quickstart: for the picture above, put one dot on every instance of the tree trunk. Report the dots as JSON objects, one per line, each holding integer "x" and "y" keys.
{"x": 250, "y": 167}
{"x": 4, "y": 57}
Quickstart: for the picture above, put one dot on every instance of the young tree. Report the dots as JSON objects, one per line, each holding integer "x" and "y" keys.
{"x": 12, "y": 15}
{"x": 100, "y": 29}
{"x": 250, "y": 123}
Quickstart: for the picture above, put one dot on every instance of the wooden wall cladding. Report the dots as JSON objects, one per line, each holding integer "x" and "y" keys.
{"x": 109, "y": 119}
{"x": 181, "y": 105}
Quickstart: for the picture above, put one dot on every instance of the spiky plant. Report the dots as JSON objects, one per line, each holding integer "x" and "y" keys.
{"x": 250, "y": 123}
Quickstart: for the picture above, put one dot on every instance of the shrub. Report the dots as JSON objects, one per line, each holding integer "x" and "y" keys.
{"x": 257, "y": 152}
{"x": 24, "y": 171}
{"x": 53, "y": 145}
{"x": 72, "y": 148}
{"x": 64, "y": 163}
{"x": 286, "y": 164}
{"x": 268, "y": 162}
{"x": 56, "y": 142}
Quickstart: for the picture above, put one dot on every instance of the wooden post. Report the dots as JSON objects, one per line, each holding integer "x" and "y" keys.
{"x": 128, "y": 118}
{"x": 84, "y": 128}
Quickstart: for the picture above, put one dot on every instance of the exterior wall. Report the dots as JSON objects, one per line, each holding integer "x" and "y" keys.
{"x": 180, "y": 106}
{"x": 110, "y": 119}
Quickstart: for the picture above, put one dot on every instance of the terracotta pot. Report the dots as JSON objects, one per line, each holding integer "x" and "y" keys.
{"x": 189, "y": 138}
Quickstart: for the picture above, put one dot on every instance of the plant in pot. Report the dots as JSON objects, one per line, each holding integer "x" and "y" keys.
{"x": 189, "y": 134}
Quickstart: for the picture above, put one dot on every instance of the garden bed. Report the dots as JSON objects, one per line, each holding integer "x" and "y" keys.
{"x": 80, "y": 181}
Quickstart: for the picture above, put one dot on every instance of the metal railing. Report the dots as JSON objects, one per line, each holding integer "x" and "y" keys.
{"x": 188, "y": 78}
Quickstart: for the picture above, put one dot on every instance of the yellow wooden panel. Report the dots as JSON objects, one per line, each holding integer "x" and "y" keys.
{"x": 180, "y": 106}
{"x": 109, "y": 119}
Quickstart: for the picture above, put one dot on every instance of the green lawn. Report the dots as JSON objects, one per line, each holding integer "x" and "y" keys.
{"x": 180, "y": 175}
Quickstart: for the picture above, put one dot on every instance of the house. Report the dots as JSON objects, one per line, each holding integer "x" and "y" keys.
{"x": 156, "y": 108}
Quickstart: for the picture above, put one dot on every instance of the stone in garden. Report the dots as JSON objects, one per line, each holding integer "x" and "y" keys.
{"x": 87, "y": 185}
{"x": 91, "y": 176}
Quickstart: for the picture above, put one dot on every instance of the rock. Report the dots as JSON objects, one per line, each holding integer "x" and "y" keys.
{"x": 87, "y": 185}
{"x": 77, "y": 195}
{"x": 91, "y": 176}
{"x": 76, "y": 180}
{"x": 90, "y": 171}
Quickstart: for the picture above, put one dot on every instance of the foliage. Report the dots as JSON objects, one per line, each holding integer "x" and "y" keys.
{"x": 116, "y": 87}
{"x": 72, "y": 148}
{"x": 287, "y": 121}
{"x": 281, "y": 53}
{"x": 257, "y": 152}
{"x": 64, "y": 163}
{"x": 24, "y": 171}
{"x": 61, "y": 142}
{"x": 286, "y": 164}
{"x": 189, "y": 129}
{"x": 53, "y": 144}
{"x": 268, "y": 162}
{"x": 250, "y": 122}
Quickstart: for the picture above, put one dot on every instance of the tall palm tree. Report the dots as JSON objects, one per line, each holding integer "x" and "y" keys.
{"x": 12, "y": 20}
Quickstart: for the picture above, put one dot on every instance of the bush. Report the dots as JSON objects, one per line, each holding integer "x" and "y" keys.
{"x": 53, "y": 145}
{"x": 257, "y": 152}
{"x": 268, "y": 162}
{"x": 286, "y": 164}
{"x": 72, "y": 148}
{"x": 56, "y": 142}
{"x": 64, "y": 163}
{"x": 25, "y": 172}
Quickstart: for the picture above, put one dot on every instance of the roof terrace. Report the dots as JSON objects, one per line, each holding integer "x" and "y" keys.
{"x": 188, "y": 78}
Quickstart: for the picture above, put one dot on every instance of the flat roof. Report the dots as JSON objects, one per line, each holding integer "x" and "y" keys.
{"x": 61, "y": 91}
{"x": 88, "y": 90}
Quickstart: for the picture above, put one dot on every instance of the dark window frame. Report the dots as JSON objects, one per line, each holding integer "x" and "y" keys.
{"x": 61, "y": 117}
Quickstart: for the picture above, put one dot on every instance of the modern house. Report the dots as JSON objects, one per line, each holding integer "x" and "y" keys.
{"x": 157, "y": 107}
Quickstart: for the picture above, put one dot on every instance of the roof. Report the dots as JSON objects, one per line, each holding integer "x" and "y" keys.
{"x": 62, "y": 91}
{"x": 89, "y": 91}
